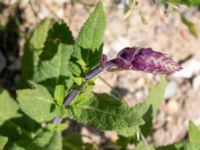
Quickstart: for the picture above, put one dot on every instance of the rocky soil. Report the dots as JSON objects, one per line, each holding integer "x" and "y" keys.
{"x": 146, "y": 25}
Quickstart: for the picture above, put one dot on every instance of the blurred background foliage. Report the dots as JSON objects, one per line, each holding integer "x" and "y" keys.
{"x": 185, "y": 2}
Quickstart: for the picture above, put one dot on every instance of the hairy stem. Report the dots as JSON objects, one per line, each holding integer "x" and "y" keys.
{"x": 72, "y": 95}
{"x": 57, "y": 120}
{"x": 97, "y": 70}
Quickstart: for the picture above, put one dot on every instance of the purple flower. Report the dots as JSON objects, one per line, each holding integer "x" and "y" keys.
{"x": 138, "y": 59}
{"x": 145, "y": 59}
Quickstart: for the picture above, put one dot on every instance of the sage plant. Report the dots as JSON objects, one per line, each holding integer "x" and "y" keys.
{"x": 132, "y": 58}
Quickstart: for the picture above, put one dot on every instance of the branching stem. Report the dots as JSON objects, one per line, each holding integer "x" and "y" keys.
{"x": 91, "y": 74}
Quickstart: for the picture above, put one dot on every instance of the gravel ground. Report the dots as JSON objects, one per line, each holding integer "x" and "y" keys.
{"x": 146, "y": 25}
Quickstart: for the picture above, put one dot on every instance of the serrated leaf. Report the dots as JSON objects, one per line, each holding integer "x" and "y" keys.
{"x": 104, "y": 111}
{"x": 32, "y": 50}
{"x": 73, "y": 141}
{"x": 53, "y": 64}
{"x": 40, "y": 34}
{"x": 47, "y": 140}
{"x": 8, "y": 107}
{"x": 3, "y": 141}
{"x": 37, "y": 103}
{"x": 89, "y": 42}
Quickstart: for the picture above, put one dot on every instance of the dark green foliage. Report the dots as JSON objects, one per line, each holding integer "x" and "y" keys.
{"x": 72, "y": 141}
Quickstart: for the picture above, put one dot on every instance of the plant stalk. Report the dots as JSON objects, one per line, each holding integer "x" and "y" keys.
{"x": 91, "y": 74}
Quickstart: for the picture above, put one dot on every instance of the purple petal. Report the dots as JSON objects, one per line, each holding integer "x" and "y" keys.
{"x": 147, "y": 60}
{"x": 123, "y": 64}
{"x": 127, "y": 53}
{"x": 125, "y": 57}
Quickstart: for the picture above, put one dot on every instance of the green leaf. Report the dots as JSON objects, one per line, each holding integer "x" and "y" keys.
{"x": 74, "y": 67}
{"x": 20, "y": 127}
{"x": 104, "y": 111}
{"x": 123, "y": 142}
{"x": 41, "y": 140}
{"x": 53, "y": 64}
{"x": 88, "y": 45}
{"x": 59, "y": 127}
{"x": 59, "y": 94}
{"x": 152, "y": 105}
{"x": 148, "y": 109}
{"x": 194, "y": 137}
{"x": 32, "y": 50}
{"x": 40, "y": 34}
{"x": 194, "y": 134}
{"x": 3, "y": 141}
{"x": 176, "y": 146}
{"x": 37, "y": 103}
{"x": 20, "y": 144}
{"x": 10, "y": 130}
{"x": 73, "y": 141}
{"x": 89, "y": 146}
{"x": 190, "y": 25}
{"x": 15, "y": 146}
{"x": 156, "y": 95}
{"x": 55, "y": 142}
{"x": 78, "y": 80}
{"x": 128, "y": 131}
{"x": 8, "y": 107}
{"x": 47, "y": 140}
{"x": 144, "y": 147}
{"x": 192, "y": 146}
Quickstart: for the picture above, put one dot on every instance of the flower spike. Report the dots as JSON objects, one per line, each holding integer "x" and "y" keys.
{"x": 145, "y": 59}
